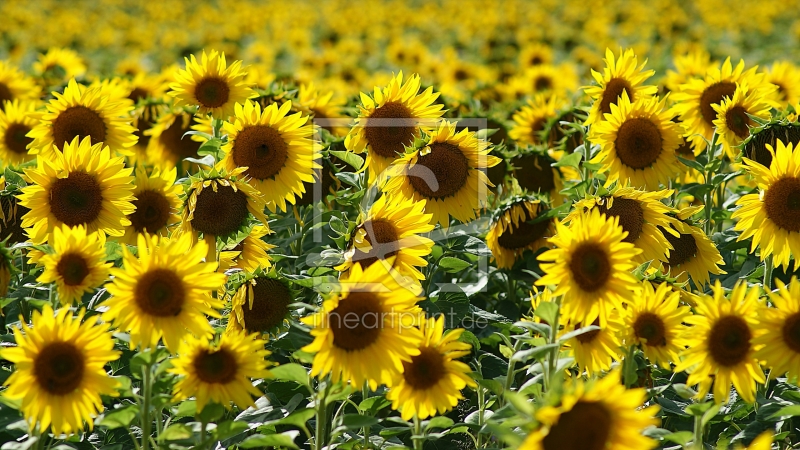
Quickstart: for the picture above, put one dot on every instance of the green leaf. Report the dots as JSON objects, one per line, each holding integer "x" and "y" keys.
{"x": 578, "y": 332}
{"x": 297, "y": 418}
{"x": 350, "y": 158}
{"x": 356, "y": 421}
{"x": 684, "y": 391}
{"x": 453, "y": 305}
{"x": 535, "y": 353}
{"x": 374, "y": 404}
{"x": 787, "y": 411}
{"x": 546, "y": 311}
{"x": 273, "y": 440}
{"x": 439, "y": 422}
{"x": 338, "y": 226}
{"x": 681, "y": 437}
{"x": 291, "y": 372}
{"x": 211, "y": 412}
{"x": 207, "y": 160}
{"x": 176, "y": 432}
{"x": 13, "y": 178}
{"x": 453, "y": 265}
{"x": 698, "y": 409}
{"x": 119, "y": 418}
{"x": 571, "y": 160}
{"x": 187, "y": 408}
{"x": 692, "y": 163}
{"x": 229, "y": 428}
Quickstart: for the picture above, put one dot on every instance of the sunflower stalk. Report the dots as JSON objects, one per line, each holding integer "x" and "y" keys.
{"x": 147, "y": 388}
{"x": 768, "y": 268}
{"x": 697, "y": 443}
{"x": 418, "y": 437}
{"x": 553, "y": 355}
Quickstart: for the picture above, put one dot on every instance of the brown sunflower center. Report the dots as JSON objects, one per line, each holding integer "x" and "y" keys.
{"x": 684, "y": 247}
{"x": 152, "y": 211}
{"x": 791, "y": 332}
{"x": 143, "y": 125}
{"x": 738, "y": 122}
{"x": 630, "y": 213}
{"x": 638, "y": 143}
{"x": 262, "y": 150}
{"x": 542, "y": 83}
{"x": 586, "y": 426}
{"x": 589, "y": 336}
{"x": 220, "y": 213}
{"x": 613, "y": 91}
{"x": 729, "y": 341}
{"x": 649, "y": 326}
{"x": 590, "y": 266}
{"x": 357, "y": 321}
{"x": 138, "y": 94}
{"x": 524, "y": 233}
{"x": 425, "y": 370}
{"x": 72, "y": 267}
{"x": 714, "y": 95}
{"x": 175, "y": 144}
{"x": 59, "y": 368}
{"x": 394, "y": 129}
{"x": 756, "y": 147}
{"x": 16, "y": 139}
{"x": 384, "y": 239}
{"x": 218, "y": 366}
{"x": 441, "y": 173}
{"x": 212, "y": 92}
{"x": 5, "y": 94}
{"x": 782, "y": 203}
{"x": 78, "y": 121}
{"x": 77, "y": 199}
{"x": 160, "y": 293}
{"x": 533, "y": 173}
{"x": 537, "y": 127}
{"x": 271, "y": 300}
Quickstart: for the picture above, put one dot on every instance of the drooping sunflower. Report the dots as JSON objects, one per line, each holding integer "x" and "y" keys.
{"x": 597, "y": 414}
{"x": 164, "y": 293}
{"x": 432, "y": 381}
{"x": 786, "y": 76}
{"x": 638, "y": 142}
{"x": 155, "y": 198}
{"x": 59, "y": 374}
{"x": 733, "y": 120}
{"x": 211, "y": 85}
{"x": 277, "y": 149}
{"x": 16, "y": 121}
{"x": 219, "y": 203}
{"x": 11, "y": 213}
{"x": 755, "y": 147}
{"x": 167, "y": 147}
{"x": 391, "y": 228}
{"x": 621, "y": 75}
{"x": 261, "y": 304}
{"x": 220, "y": 372}
{"x": 594, "y": 351}
{"x": 655, "y": 323}
{"x": 772, "y": 216}
{"x": 84, "y": 112}
{"x": 534, "y": 172}
{"x": 641, "y": 214}
{"x": 379, "y": 334}
{"x": 778, "y": 331}
{"x": 697, "y": 97}
{"x": 83, "y": 185}
{"x": 248, "y": 254}
{"x": 512, "y": 232}
{"x": 591, "y": 267}
{"x": 693, "y": 254}
{"x": 531, "y": 121}
{"x": 720, "y": 344}
{"x": 390, "y": 120}
{"x": 447, "y": 173}
{"x": 59, "y": 65}
{"x": 16, "y": 85}
{"x": 77, "y": 264}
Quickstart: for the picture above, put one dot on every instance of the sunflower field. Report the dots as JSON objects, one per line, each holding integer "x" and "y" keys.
{"x": 451, "y": 224}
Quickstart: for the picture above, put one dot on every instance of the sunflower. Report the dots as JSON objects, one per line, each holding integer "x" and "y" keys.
{"x": 7, "y": 269}
{"x": 697, "y": 97}
{"x": 248, "y": 254}
{"x": 772, "y": 216}
{"x": 512, "y": 232}
{"x": 720, "y": 344}
{"x": 221, "y": 372}
{"x": 379, "y": 333}
{"x": 591, "y": 267}
{"x": 219, "y": 203}
{"x": 16, "y": 121}
{"x": 432, "y": 381}
{"x": 693, "y": 254}
{"x": 655, "y": 322}
{"x": 535, "y": 54}
{"x": 84, "y": 112}
{"x": 786, "y": 76}
{"x": 78, "y": 263}
{"x": 156, "y": 200}
{"x": 638, "y": 142}
{"x": 164, "y": 292}
{"x": 734, "y": 113}
{"x": 534, "y": 172}
{"x": 391, "y": 229}
{"x": 755, "y": 146}
{"x": 621, "y": 76}
{"x": 260, "y": 304}
{"x": 83, "y": 185}
{"x": 59, "y": 65}
{"x": 15, "y": 85}
{"x": 167, "y": 147}
{"x": 778, "y": 331}
{"x": 323, "y": 106}
{"x": 390, "y": 120}
{"x": 211, "y": 85}
{"x": 11, "y": 213}
{"x": 276, "y": 149}
{"x": 447, "y": 173}
{"x": 595, "y": 350}
{"x": 642, "y": 214}
{"x": 597, "y": 414}
{"x": 690, "y": 65}
{"x": 59, "y": 374}
{"x": 531, "y": 121}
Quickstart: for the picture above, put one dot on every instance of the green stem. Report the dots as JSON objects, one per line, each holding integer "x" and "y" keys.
{"x": 145, "y": 412}
{"x": 322, "y": 417}
{"x": 698, "y": 433}
{"x": 768, "y": 267}
{"x": 364, "y": 396}
{"x": 512, "y": 288}
{"x": 553, "y": 357}
{"x": 418, "y": 438}
{"x": 481, "y": 409}
{"x": 510, "y": 372}
{"x": 203, "y": 426}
